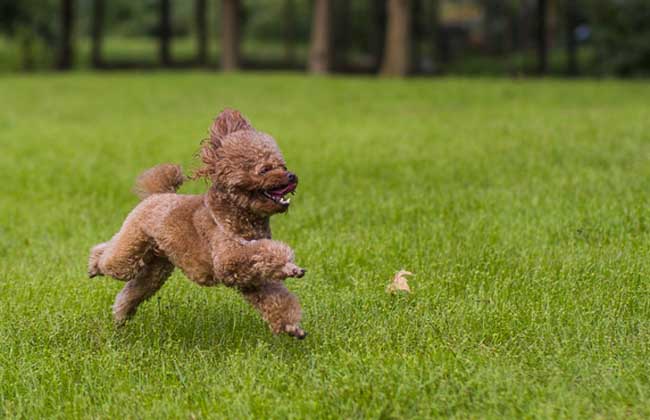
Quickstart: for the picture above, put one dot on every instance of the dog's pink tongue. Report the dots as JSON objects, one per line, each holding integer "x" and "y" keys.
{"x": 286, "y": 190}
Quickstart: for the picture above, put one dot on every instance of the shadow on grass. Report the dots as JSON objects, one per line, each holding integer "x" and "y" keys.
{"x": 222, "y": 325}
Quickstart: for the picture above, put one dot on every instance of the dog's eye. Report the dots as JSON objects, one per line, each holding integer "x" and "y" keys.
{"x": 264, "y": 170}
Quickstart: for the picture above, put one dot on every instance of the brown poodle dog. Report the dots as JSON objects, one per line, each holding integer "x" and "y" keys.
{"x": 220, "y": 237}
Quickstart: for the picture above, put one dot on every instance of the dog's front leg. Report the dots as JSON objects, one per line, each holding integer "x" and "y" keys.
{"x": 279, "y": 308}
{"x": 255, "y": 263}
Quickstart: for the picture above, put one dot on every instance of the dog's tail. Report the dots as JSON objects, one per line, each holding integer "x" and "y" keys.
{"x": 164, "y": 178}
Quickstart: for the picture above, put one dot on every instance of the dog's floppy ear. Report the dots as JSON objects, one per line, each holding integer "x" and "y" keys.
{"x": 228, "y": 121}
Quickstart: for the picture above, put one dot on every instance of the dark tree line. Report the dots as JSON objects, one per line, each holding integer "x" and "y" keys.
{"x": 394, "y": 23}
{"x": 399, "y": 32}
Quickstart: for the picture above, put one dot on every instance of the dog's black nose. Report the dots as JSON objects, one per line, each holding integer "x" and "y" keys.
{"x": 292, "y": 177}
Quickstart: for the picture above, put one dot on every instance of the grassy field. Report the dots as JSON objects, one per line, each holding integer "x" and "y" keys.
{"x": 521, "y": 205}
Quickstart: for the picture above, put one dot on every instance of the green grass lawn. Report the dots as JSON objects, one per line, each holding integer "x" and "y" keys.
{"x": 521, "y": 205}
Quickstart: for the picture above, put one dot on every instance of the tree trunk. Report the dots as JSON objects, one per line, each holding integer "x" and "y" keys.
{"x": 230, "y": 55}
{"x": 397, "y": 56}
{"x": 342, "y": 34}
{"x": 378, "y": 35}
{"x": 320, "y": 54}
{"x": 417, "y": 30}
{"x": 525, "y": 33}
{"x": 97, "y": 31}
{"x": 542, "y": 40}
{"x": 498, "y": 26}
{"x": 428, "y": 33}
{"x": 200, "y": 16}
{"x": 165, "y": 33}
{"x": 571, "y": 41}
{"x": 66, "y": 50}
{"x": 514, "y": 44}
{"x": 290, "y": 31}
{"x": 436, "y": 37}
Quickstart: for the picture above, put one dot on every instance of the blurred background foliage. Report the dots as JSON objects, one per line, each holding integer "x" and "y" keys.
{"x": 485, "y": 37}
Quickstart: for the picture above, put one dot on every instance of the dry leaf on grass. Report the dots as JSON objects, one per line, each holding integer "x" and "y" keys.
{"x": 400, "y": 282}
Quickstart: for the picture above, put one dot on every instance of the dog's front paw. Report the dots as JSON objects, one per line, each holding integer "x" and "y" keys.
{"x": 292, "y": 270}
{"x": 295, "y": 331}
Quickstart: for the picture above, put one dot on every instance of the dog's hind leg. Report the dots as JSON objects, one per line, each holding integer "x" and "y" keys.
{"x": 279, "y": 308}
{"x": 125, "y": 255}
{"x": 140, "y": 288}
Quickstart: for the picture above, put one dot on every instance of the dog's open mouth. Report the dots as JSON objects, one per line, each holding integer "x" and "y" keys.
{"x": 277, "y": 194}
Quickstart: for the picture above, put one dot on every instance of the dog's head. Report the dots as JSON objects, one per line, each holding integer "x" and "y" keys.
{"x": 247, "y": 165}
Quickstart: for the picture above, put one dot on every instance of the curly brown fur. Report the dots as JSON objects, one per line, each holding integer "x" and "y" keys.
{"x": 165, "y": 178}
{"x": 220, "y": 237}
